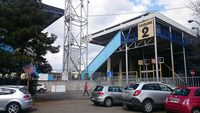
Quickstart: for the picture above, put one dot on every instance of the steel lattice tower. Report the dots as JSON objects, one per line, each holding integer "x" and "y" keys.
{"x": 75, "y": 54}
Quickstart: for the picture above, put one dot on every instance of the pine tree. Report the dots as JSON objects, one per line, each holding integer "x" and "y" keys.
{"x": 21, "y": 23}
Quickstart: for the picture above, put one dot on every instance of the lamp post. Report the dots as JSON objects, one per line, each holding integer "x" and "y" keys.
{"x": 190, "y": 21}
{"x": 197, "y": 30}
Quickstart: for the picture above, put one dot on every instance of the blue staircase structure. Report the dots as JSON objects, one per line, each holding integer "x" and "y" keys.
{"x": 110, "y": 48}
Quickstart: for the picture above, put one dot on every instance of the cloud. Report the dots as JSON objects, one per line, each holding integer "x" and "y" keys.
{"x": 57, "y": 28}
{"x": 94, "y": 51}
{"x": 106, "y": 7}
{"x": 55, "y": 60}
{"x": 146, "y": 2}
{"x": 181, "y": 15}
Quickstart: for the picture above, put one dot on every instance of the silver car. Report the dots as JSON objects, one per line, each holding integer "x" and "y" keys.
{"x": 107, "y": 95}
{"x": 145, "y": 95}
{"x": 13, "y": 99}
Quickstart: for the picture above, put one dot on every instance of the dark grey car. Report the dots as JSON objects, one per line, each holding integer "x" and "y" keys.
{"x": 107, "y": 95}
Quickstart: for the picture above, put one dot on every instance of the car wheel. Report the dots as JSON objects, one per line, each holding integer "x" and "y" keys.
{"x": 41, "y": 90}
{"x": 147, "y": 106}
{"x": 196, "y": 110}
{"x": 108, "y": 102}
{"x": 13, "y": 108}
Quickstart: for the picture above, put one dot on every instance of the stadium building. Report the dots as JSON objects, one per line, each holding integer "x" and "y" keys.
{"x": 150, "y": 46}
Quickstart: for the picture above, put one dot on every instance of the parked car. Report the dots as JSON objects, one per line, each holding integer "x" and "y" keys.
{"x": 173, "y": 87}
{"x": 41, "y": 87}
{"x": 184, "y": 100}
{"x": 13, "y": 99}
{"x": 107, "y": 95}
{"x": 145, "y": 95}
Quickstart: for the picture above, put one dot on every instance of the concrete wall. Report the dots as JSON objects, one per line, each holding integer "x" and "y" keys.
{"x": 70, "y": 84}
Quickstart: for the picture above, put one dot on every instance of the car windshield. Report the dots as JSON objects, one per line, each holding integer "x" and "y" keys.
{"x": 131, "y": 86}
{"x": 98, "y": 88}
{"x": 181, "y": 92}
{"x": 24, "y": 90}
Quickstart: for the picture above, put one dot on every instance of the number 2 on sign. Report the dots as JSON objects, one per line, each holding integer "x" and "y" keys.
{"x": 145, "y": 31}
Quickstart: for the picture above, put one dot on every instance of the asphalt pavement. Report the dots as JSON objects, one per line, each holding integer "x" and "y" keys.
{"x": 70, "y": 95}
{"x": 73, "y": 102}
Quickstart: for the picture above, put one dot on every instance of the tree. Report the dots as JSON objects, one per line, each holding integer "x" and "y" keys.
{"x": 195, "y": 7}
{"x": 21, "y": 23}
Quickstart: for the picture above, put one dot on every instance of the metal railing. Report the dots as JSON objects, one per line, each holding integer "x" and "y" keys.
{"x": 176, "y": 81}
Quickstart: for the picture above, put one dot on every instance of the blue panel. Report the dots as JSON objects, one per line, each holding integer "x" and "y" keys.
{"x": 131, "y": 38}
{"x": 163, "y": 33}
{"x": 6, "y": 48}
{"x": 110, "y": 48}
{"x": 50, "y": 77}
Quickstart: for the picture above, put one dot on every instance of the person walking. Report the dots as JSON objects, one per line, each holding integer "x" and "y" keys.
{"x": 86, "y": 89}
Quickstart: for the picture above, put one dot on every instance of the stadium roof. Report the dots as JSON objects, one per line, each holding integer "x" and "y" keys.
{"x": 53, "y": 12}
{"x": 102, "y": 37}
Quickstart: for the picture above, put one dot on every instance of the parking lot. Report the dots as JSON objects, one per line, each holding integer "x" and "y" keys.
{"x": 73, "y": 102}
{"x": 77, "y": 106}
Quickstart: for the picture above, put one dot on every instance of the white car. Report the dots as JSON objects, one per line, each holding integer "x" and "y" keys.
{"x": 146, "y": 95}
{"x": 41, "y": 87}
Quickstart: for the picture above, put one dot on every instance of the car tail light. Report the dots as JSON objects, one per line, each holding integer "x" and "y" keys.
{"x": 100, "y": 93}
{"x": 137, "y": 92}
{"x": 26, "y": 97}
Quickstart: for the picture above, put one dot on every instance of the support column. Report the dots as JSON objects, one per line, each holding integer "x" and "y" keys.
{"x": 108, "y": 69}
{"x": 156, "y": 52}
{"x": 184, "y": 58}
{"x": 126, "y": 63}
{"x": 153, "y": 71}
{"x": 108, "y": 64}
{"x": 120, "y": 76}
{"x": 171, "y": 49}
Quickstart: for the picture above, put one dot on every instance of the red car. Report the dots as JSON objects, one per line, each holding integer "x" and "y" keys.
{"x": 183, "y": 100}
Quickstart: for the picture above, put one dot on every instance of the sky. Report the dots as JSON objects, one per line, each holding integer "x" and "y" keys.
{"x": 175, "y": 9}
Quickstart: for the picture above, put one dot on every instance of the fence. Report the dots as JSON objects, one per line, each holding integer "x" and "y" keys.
{"x": 78, "y": 84}
{"x": 176, "y": 81}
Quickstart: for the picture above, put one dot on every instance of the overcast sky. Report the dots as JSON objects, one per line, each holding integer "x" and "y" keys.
{"x": 104, "y": 7}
